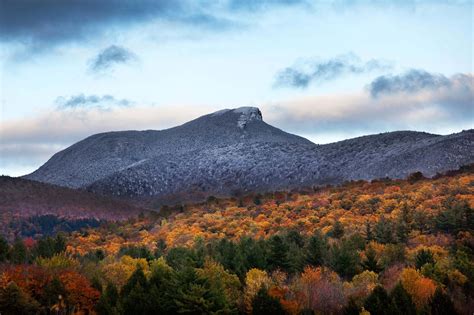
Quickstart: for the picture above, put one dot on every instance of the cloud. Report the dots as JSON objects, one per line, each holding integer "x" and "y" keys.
{"x": 111, "y": 56}
{"x": 47, "y": 23}
{"x": 302, "y": 74}
{"x": 90, "y": 101}
{"x": 431, "y": 107}
{"x": 251, "y": 5}
{"x": 415, "y": 80}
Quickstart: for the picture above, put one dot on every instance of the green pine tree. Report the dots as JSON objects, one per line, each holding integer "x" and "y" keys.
{"x": 441, "y": 304}
{"x": 370, "y": 263}
{"x": 14, "y": 301}
{"x": 263, "y": 304}
{"x": 384, "y": 231}
{"x": 402, "y": 301}
{"x": 317, "y": 250}
{"x": 108, "y": 301}
{"x": 423, "y": 256}
{"x": 278, "y": 256}
{"x": 18, "y": 252}
{"x": 337, "y": 230}
{"x": 4, "y": 249}
{"x": 351, "y": 308}
{"x": 378, "y": 302}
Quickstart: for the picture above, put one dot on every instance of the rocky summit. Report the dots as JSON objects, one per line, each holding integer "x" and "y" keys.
{"x": 233, "y": 151}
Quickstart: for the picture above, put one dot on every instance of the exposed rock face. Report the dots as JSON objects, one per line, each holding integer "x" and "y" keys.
{"x": 235, "y": 151}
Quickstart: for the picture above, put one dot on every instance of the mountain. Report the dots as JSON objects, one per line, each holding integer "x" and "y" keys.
{"x": 234, "y": 151}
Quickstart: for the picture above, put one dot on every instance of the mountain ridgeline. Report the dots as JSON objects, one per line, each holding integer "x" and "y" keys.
{"x": 233, "y": 152}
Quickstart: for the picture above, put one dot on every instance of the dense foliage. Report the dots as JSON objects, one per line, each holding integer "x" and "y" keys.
{"x": 386, "y": 247}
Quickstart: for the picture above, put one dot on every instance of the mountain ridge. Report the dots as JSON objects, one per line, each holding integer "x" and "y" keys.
{"x": 233, "y": 151}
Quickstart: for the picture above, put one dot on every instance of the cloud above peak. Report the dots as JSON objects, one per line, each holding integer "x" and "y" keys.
{"x": 82, "y": 101}
{"x": 306, "y": 72}
{"x": 110, "y": 57}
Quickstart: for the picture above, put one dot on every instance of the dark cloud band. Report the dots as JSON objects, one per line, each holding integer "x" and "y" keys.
{"x": 49, "y": 22}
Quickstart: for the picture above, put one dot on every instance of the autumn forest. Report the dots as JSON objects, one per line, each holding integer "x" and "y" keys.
{"x": 380, "y": 247}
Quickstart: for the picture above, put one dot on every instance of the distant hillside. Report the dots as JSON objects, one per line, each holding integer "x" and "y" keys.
{"x": 234, "y": 152}
{"x": 21, "y": 198}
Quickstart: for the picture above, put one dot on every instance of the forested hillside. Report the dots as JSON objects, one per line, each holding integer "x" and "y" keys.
{"x": 30, "y": 208}
{"x": 380, "y": 247}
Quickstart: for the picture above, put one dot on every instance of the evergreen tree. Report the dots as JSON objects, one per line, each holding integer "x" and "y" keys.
{"x": 317, "y": 250}
{"x": 163, "y": 284}
{"x": 181, "y": 257}
{"x": 278, "y": 256}
{"x": 18, "y": 252}
{"x": 253, "y": 254}
{"x": 344, "y": 259}
{"x": 233, "y": 257}
{"x": 370, "y": 263}
{"x": 337, "y": 230}
{"x": 384, "y": 231}
{"x": 160, "y": 248}
{"x": 48, "y": 247}
{"x": 293, "y": 237}
{"x": 296, "y": 259}
{"x": 402, "y": 301}
{"x": 54, "y": 291}
{"x": 4, "y": 249}
{"x": 441, "y": 304}
{"x": 378, "y": 302}
{"x": 136, "y": 252}
{"x": 137, "y": 301}
{"x": 196, "y": 295}
{"x": 199, "y": 252}
{"x": 423, "y": 256}
{"x": 108, "y": 301}
{"x": 59, "y": 243}
{"x": 263, "y": 304}
{"x": 351, "y": 308}
{"x": 137, "y": 279}
{"x": 369, "y": 235}
{"x": 458, "y": 215}
{"x": 405, "y": 215}
{"x": 14, "y": 301}
{"x": 96, "y": 284}
{"x": 402, "y": 230}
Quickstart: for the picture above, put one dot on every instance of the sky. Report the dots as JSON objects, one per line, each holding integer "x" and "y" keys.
{"x": 325, "y": 70}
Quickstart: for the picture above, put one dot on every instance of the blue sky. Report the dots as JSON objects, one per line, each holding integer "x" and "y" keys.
{"x": 326, "y": 70}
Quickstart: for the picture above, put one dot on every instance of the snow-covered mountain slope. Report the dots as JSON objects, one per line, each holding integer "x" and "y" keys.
{"x": 234, "y": 151}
